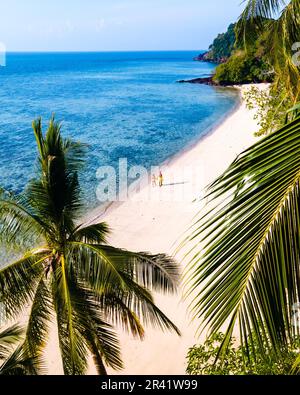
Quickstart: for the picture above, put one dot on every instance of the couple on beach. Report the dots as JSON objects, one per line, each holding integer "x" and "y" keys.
{"x": 160, "y": 180}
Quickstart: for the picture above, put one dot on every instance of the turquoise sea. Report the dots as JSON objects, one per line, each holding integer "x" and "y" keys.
{"x": 124, "y": 105}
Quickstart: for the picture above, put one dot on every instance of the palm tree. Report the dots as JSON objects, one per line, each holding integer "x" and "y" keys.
{"x": 282, "y": 30}
{"x": 245, "y": 268}
{"x": 15, "y": 362}
{"x": 71, "y": 273}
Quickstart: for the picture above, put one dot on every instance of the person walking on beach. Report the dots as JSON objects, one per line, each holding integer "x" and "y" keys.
{"x": 160, "y": 179}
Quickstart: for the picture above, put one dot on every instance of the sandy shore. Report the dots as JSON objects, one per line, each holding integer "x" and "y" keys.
{"x": 155, "y": 220}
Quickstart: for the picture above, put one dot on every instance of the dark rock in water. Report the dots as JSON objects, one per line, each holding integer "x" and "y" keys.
{"x": 208, "y": 58}
{"x": 203, "y": 81}
{"x": 200, "y": 58}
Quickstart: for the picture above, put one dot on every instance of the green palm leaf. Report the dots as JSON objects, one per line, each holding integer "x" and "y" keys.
{"x": 8, "y": 338}
{"x": 17, "y": 361}
{"x": 72, "y": 343}
{"x": 246, "y": 254}
{"x": 98, "y": 334}
{"x": 155, "y": 272}
{"x": 18, "y": 282}
{"x": 92, "y": 234}
{"x": 39, "y": 318}
{"x": 123, "y": 310}
{"x": 20, "y": 227}
{"x": 279, "y": 22}
{"x": 109, "y": 271}
{"x": 19, "y": 364}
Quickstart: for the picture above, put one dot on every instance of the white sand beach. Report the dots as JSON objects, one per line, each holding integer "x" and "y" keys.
{"x": 157, "y": 224}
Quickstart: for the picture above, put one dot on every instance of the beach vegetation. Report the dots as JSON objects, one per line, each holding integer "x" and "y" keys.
{"x": 271, "y": 107}
{"x": 14, "y": 360}
{"x": 242, "y": 68}
{"x": 202, "y": 359}
{"x": 265, "y": 49}
{"x": 279, "y": 24}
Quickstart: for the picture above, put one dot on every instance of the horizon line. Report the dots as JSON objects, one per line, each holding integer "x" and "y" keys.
{"x": 105, "y": 51}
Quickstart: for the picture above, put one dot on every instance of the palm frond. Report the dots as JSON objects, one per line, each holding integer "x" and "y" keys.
{"x": 101, "y": 340}
{"x": 142, "y": 304}
{"x": 246, "y": 254}
{"x": 19, "y": 226}
{"x": 8, "y": 338}
{"x": 72, "y": 343}
{"x": 56, "y": 194}
{"x": 279, "y": 21}
{"x": 75, "y": 153}
{"x": 155, "y": 272}
{"x": 108, "y": 273}
{"x": 19, "y": 364}
{"x": 39, "y": 317}
{"x": 92, "y": 234}
{"x": 16, "y": 360}
{"x": 102, "y": 263}
{"x": 123, "y": 310}
{"x": 94, "y": 267}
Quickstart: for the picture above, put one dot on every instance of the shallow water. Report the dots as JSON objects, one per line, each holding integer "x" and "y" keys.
{"x": 124, "y": 105}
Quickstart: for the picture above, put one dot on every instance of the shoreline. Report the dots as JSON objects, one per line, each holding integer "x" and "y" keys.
{"x": 98, "y": 212}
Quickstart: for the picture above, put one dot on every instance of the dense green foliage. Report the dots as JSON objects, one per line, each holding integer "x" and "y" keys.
{"x": 279, "y": 22}
{"x": 272, "y": 107}
{"x": 201, "y": 359}
{"x": 245, "y": 66}
{"x": 222, "y": 47}
{"x": 241, "y": 68}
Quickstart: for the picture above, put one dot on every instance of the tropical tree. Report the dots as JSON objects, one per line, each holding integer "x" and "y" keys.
{"x": 67, "y": 271}
{"x": 14, "y": 360}
{"x": 245, "y": 268}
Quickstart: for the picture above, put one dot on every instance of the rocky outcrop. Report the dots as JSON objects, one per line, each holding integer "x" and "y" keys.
{"x": 206, "y": 57}
{"x": 203, "y": 81}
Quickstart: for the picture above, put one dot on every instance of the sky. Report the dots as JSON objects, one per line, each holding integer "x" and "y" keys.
{"x": 113, "y": 25}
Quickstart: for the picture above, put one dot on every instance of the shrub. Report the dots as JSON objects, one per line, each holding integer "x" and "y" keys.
{"x": 241, "y": 68}
{"x": 271, "y": 107}
{"x": 201, "y": 359}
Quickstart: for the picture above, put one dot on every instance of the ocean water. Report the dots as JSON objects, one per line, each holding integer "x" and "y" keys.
{"x": 123, "y": 105}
